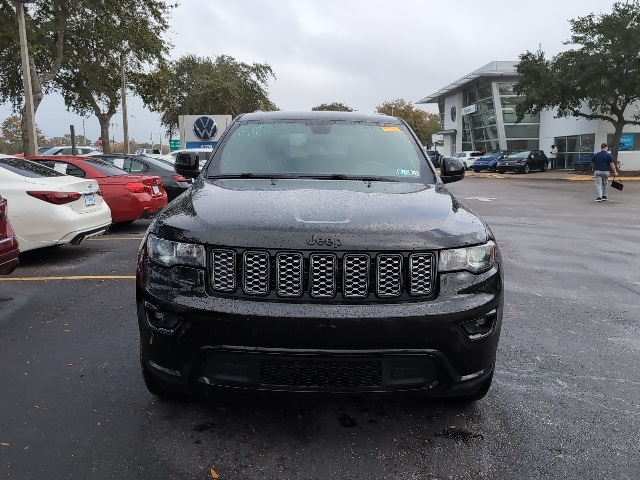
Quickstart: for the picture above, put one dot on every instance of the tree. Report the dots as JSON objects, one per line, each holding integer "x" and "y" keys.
{"x": 424, "y": 124}
{"x": 598, "y": 80}
{"x": 91, "y": 82}
{"x": 332, "y": 107}
{"x": 12, "y": 134}
{"x": 193, "y": 85}
{"x": 75, "y": 38}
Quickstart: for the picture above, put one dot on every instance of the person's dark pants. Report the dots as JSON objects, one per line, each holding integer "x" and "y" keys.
{"x": 552, "y": 163}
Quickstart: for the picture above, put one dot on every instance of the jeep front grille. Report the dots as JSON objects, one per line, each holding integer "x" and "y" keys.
{"x": 323, "y": 275}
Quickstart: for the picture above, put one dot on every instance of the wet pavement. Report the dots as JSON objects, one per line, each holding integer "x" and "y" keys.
{"x": 565, "y": 402}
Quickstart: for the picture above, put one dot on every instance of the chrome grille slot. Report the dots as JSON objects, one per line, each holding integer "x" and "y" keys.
{"x": 322, "y": 275}
{"x": 289, "y": 271}
{"x": 389, "y": 276}
{"x": 355, "y": 279}
{"x": 223, "y": 270}
{"x": 420, "y": 273}
{"x": 255, "y": 273}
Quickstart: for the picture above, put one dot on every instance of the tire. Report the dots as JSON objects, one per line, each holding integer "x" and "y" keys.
{"x": 499, "y": 170}
{"x": 465, "y": 165}
{"x": 477, "y": 170}
{"x": 544, "y": 168}
{"x": 526, "y": 169}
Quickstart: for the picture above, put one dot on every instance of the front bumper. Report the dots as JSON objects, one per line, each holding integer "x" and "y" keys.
{"x": 288, "y": 346}
{"x": 511, "y": 168}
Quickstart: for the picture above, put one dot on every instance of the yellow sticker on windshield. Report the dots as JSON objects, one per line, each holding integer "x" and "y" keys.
{"x": 391, "y": 129}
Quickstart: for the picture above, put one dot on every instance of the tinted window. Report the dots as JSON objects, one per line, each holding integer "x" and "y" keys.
{"x": 524, "y": 154}
{"x": 63, "y": 167}
{"x": 27, "y": 168}
{"x": 104, "y": 166}
{"x": 320, "y": 148}
{"x": 160, "y": 163}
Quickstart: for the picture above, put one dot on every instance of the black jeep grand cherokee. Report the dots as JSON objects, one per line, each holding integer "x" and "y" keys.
{"x": 319, "y": 251}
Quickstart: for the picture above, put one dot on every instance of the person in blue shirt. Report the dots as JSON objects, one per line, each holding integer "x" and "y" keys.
{"x": 602, "y": 165}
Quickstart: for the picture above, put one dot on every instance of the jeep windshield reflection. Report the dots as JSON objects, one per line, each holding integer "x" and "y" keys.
{"x": 339, "y": 150}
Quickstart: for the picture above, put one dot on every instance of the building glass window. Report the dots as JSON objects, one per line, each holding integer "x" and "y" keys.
{"x": 484, "y": 92}
{"x": 519, "y": 130}
{"x": 628, "y": 142}
{"x": 522, "y": 144}
{"x": 523, "y": 135}
{"x": 572, "y": 148}
{"x": 505, "y": 89}
{"x": 471, "y": 97}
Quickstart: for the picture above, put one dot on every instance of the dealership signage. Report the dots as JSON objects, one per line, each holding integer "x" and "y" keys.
{"x": 469, "y": 109}
{"x": 201, "y": 131}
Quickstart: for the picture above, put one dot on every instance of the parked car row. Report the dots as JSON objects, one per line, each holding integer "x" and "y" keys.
{"x": 502, "y": 161}
{"x": 49, "y": 200}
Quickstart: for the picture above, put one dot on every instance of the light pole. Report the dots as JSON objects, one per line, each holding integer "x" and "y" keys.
{"x": 125, "y": 120}
{"x": 32, "y": 139}
{"x": 113, "y": 132}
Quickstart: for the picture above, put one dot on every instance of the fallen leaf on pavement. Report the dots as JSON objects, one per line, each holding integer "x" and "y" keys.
{"x": 214, "y": 474}
{"x": 4, "y": 444}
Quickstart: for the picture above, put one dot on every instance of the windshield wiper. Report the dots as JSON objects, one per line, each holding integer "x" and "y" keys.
{"x": 342, "y": 176}
{"x": 328, "y": 176}
{"x": 252, "y": 175}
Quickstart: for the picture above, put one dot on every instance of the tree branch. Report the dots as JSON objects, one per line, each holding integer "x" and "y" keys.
{"x": 62, "y": 22}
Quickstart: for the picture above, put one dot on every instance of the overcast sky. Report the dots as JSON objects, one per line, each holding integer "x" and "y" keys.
{"x": 358, "y": 52}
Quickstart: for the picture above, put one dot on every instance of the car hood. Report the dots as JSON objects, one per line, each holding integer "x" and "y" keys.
{"x": 310, "y": 214}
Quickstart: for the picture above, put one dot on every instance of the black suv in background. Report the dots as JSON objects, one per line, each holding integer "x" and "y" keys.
{"x": 523, "y": 162}
{"x": 319, "y": 251}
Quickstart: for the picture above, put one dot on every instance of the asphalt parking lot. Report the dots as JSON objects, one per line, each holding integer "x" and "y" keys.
{"x": 565, "y": 401}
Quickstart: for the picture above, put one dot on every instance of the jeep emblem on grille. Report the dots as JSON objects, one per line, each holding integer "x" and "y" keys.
{"x": 334, "y": 242}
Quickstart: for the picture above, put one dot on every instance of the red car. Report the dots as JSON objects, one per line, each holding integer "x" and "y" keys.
{"x": 130, "y": 197}
{"x": 8, "y": 244}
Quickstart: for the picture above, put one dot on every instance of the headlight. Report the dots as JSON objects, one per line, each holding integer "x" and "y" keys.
{"x": 169, "y": 253}
{"x": 476, "y": 259}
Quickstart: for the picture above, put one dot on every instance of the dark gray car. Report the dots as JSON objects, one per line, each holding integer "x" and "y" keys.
{"x": 523, "y": 162}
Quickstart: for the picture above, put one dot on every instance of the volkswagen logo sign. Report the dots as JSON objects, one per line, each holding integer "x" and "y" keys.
{"x": 205, "y": 128}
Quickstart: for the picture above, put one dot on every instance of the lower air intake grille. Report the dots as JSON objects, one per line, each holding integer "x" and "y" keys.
{"x": 320, "y": 374}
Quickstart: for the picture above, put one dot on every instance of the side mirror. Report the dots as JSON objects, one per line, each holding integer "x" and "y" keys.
{"x": 187, "y": 165}
{"x": 451, "y": 169}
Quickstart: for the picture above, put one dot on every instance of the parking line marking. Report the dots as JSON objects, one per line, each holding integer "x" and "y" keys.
{"x": 97, "y": 239}
{"x": 72, "y": 277}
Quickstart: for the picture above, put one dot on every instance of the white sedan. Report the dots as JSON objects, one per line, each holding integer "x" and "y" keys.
{"x": 48, "y": 207}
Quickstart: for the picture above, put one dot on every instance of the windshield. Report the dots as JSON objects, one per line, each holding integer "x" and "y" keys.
{"x": 524, "y": 154}
{"x": 492, "y": 155}
{"x": 460, "y": 155}
{"x": 309, "y": 148}
{"x": 27, "y": 168}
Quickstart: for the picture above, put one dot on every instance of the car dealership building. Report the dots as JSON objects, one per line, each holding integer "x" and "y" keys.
{"x": 478, "y": 111}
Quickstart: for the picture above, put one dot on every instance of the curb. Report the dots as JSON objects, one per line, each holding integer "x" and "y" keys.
{"x": 570, "y": 177}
